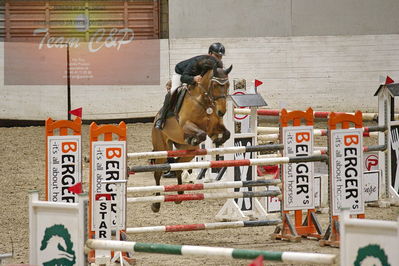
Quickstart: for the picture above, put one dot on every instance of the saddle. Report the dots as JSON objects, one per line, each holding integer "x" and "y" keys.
{"x": 177, "y": 100}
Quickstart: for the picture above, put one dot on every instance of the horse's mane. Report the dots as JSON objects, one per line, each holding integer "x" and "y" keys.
{"x": 208, "y": 62}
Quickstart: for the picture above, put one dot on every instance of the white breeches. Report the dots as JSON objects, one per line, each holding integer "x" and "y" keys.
{"x": 175, "y": 83}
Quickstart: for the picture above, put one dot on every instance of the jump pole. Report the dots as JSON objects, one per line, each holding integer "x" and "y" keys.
{"x": 202, "y": 152}
{"x": 205, "y": 196}
{"x": 203, "y": 251}
{"x": 321, "y": 132}
{"x": 218, "y": 185}
{"x": 276, "y": 136}
{"x": 220, "y": 164}
{"x": 201, "y": 227}
{"x": 317, "y": 114}
{"x": 324, "y": 150}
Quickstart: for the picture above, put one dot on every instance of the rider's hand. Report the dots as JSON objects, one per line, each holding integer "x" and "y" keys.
{"x": 197, "y": 78}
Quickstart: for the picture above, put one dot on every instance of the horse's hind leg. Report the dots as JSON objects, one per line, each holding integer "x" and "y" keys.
{"x": 159, "y": 144}
{"x": 157, "y": 176}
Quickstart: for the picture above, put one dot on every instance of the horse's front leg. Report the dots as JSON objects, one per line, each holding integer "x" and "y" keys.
{"x": 222, "y": 136}
{"x": 193, "y": 135}
{"x": 179, "y": 182}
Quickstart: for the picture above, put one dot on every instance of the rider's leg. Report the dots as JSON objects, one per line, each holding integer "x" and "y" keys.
{"x": 175, "y": 83}
{"x": 160, "y": 123}
{"x": 170, "y": 174}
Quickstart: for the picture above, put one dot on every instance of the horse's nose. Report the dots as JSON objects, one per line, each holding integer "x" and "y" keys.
{"x": 221, "y": 113}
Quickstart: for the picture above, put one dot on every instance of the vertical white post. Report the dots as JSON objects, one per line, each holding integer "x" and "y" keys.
{"x": 384, "y": 105}
{"x": 33, "y": 196}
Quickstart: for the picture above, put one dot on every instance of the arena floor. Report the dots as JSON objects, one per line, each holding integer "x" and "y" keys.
{"x": 22, "y": 163}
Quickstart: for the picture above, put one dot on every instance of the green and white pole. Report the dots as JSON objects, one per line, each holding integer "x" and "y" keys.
{"x": 185, "y": 250}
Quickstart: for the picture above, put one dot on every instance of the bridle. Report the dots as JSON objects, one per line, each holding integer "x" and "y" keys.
{"x": 208, "y": 93}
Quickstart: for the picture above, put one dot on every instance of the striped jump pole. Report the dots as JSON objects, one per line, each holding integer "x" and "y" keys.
{"x": 201, "y": 227}
{"x": 320, "y": 132}
{"x": 317, "y": 114}
{"x": 276, "y": 137}
{"x": 324, "y": 150}
{"x": 206, "y": 196}
{"x": 316, "y": 132}
{"x": 227, "y": 163}
{"x": 212, "y": 151}
{"x": 202, "y": 251}
{"x": 186, "y": 187}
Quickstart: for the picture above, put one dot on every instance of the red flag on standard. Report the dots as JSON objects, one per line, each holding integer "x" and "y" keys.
{"x": 388, "y": 80}
{"x": 76, "y": 112}
{"x": 258, "y": 83}
{"x": 257, "y": 262}
{"x": 77, "y": 189}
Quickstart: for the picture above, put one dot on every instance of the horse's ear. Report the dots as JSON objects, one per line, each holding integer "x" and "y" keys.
{"x": 227, "y": 71}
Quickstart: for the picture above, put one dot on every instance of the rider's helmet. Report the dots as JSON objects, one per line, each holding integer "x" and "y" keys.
{"x": 216, "y": 48}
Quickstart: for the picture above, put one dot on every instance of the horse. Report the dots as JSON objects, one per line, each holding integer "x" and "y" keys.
{"x": 201, "y": 114}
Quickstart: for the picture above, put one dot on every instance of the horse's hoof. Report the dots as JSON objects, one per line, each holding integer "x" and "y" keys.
{"x": 192, "y": 141}
{"x": 201, "y": 137}
{"x": 155, "y": 207}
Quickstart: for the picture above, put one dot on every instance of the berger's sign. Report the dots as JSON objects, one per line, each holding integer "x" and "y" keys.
{"x": 298, "y": 177}
{"x": 109, "y": 164}
{"x": 347, "y": 170}
{"x": 64, "y": 167}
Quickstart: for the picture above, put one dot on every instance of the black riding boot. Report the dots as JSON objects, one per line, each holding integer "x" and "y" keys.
{"x": 170, "y": 174}
{"x": 160, "y": 123}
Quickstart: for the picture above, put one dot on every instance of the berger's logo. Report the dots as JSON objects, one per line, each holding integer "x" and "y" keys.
{"x": 57, "y": 247}
{"x": 371, "y": 255}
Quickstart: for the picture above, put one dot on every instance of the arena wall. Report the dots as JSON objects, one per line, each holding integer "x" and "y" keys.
{"x": 324, "y": 72}
{"x": 281, "y": 18}
{"x": 329, "y": 55}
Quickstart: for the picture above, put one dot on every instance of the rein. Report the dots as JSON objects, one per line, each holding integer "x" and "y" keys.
{"x": 207, "y": 92}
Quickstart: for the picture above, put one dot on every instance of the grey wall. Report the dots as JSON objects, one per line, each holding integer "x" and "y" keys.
{"x": 327, "y": 73}
{"x": 279, "y": 18}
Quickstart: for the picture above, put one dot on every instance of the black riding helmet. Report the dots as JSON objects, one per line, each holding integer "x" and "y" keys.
{"x": 216, "y": 48}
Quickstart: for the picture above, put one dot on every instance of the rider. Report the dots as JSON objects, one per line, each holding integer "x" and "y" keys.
{"x": 190, "y": 72}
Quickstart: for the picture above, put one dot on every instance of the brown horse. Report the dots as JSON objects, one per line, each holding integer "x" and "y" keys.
{"x": 200, "y": 115}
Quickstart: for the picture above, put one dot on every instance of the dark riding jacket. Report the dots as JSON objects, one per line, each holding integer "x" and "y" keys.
{"x": 195, "y": 66}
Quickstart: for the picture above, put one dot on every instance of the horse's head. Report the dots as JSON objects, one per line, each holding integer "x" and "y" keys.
{"x": 215, "y": 86}
{"x": 216, "y": 82}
